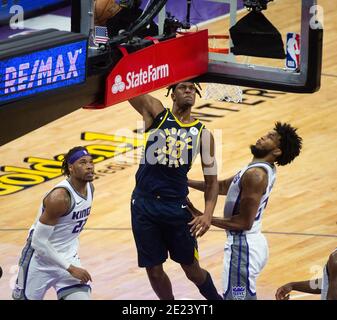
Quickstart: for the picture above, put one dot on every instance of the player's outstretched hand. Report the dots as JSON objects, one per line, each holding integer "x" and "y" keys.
{"x": 79, "y": 273}
{"x": 282, "y": 293}
{"x": 199, "y": 225}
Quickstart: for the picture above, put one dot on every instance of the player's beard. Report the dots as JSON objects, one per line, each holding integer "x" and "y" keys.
{"x": 258, "y": 153}
{"x": 188, "y": 104}
{"x": 88, "y": 178}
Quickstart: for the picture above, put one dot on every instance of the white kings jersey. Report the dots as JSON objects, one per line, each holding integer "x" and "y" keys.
{"x": 325, "y": 282}
{"x": 67, "y": 230}
{"x": 232, "y": 205}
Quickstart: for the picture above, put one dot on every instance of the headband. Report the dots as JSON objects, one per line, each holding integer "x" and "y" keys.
{"x": 78, "y": 154}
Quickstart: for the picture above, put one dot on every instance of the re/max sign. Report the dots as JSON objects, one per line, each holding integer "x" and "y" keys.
{"x": 44, "y": 70}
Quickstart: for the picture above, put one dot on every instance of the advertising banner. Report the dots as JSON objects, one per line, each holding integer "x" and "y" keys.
{"x": 157, "y": 66}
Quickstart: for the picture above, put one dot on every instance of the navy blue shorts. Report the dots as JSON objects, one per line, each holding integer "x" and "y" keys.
{"x": 160, "y": 226}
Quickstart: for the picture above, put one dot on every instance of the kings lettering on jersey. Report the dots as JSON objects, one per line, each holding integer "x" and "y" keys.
{"x": 81, "y": 214}
{"x": 69, "y": 226}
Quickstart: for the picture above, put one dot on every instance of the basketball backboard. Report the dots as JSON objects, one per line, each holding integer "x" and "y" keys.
{"x": 300, "y": 71}
{"x": 302, "y": 19}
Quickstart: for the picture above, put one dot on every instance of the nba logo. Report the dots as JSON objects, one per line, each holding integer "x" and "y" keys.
{"x": 293, "y": 51}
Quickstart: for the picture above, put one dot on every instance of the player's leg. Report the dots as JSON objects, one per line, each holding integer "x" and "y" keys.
{"x": 160, "y": 282}
{"x": 79, "y": 295}
{"x": 183, "y": 249}
{"x": 243, "y": 262}
{"x": 24, "y": 262}
{"x": 258, "y": 257}
{"x": 235, "y": 275}
{"x": 227, "y": 268}
{"x": 74, "y": 292}
{"x": 151, "y": 248}
{"x": 202, "y": 279}
{"x": 31, "y": 282}
{"x": 69, "y": 288}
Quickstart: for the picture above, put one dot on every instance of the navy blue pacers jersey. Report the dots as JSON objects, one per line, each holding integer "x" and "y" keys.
{"x": 168, "y": 154}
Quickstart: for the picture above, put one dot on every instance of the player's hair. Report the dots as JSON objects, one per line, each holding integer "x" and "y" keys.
{"x": 290, "y": 143}
{"x": 173, "y": 87}
{"x": 65, "y": 168}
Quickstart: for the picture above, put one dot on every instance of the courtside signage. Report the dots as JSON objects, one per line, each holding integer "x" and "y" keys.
{"x": 157, "y": 66}
{"x": 36, "y": 72}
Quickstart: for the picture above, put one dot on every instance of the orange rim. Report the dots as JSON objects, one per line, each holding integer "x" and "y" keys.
{"x": 218, "y": 50}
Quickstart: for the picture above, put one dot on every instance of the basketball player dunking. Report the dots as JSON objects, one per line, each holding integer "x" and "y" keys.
{"x": 158, "y": 206}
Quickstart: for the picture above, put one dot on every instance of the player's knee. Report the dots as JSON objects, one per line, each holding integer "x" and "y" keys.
{"x": 155, "y": 273}
{"x": 194, "y": 273}
{"x": 79, "y": 295}
{"x": 192, "y": 276}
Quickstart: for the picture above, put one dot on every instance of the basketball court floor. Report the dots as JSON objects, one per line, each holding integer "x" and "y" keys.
{"x": 299, "y": 222}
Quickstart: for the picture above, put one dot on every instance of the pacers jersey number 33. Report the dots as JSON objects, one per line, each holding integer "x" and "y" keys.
{"x": 172, "y": 143}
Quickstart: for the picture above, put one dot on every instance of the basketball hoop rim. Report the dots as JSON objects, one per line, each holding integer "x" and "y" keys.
{"x": 218, "y": 50}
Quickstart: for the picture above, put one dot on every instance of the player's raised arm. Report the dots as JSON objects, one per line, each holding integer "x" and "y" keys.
{"x": 148, "y": 106}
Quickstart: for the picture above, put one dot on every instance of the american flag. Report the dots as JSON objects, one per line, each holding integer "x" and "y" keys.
{"x": 101, "y": 34}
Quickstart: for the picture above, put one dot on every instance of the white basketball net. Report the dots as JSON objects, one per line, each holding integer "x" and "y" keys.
{"x": 223, "y": 92}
